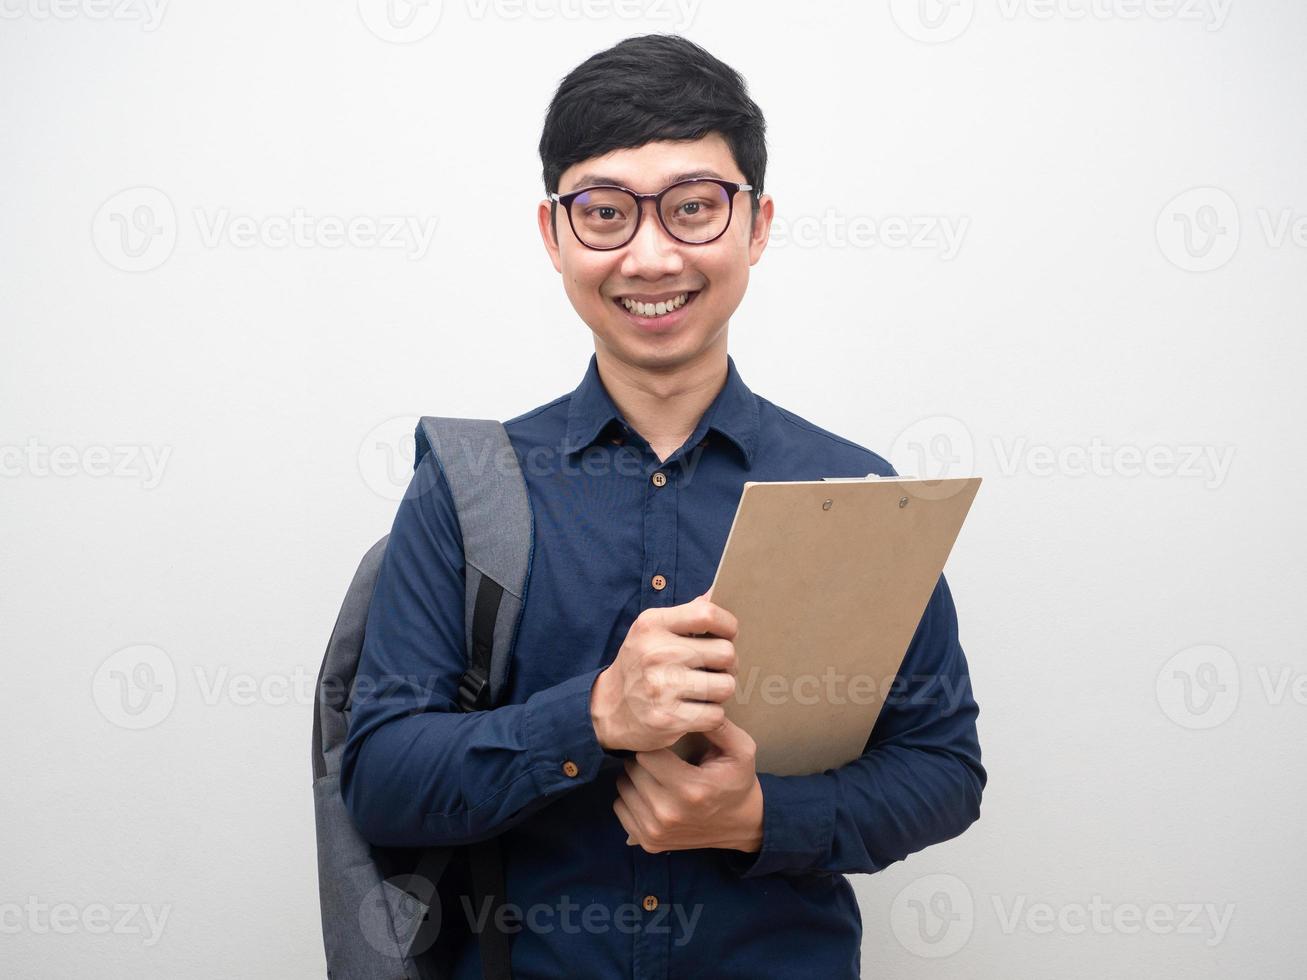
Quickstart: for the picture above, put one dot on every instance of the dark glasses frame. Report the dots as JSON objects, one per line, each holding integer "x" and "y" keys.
{"x": 731, "y": 187}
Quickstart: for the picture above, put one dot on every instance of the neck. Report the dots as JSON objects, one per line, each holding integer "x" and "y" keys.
{"x": 664, "y": 404}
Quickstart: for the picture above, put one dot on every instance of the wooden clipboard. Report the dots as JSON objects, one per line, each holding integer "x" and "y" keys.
{"x": 828, "y": 580}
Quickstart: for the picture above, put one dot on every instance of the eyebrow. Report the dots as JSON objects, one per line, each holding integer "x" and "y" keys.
{"x": 591, "y": 180}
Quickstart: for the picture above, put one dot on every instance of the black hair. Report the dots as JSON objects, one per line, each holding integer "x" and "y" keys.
{"x": 646, "y": 88}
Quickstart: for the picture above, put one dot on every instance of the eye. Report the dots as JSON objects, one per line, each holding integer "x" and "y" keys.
{"x": 694, "y": 209}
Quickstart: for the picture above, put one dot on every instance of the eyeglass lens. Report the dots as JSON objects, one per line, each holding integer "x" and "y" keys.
{"x": 693, "y": 212}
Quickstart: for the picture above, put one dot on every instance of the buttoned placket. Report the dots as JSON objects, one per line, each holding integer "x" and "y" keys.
{"x": 651, "y": 873}
{"x": 651, "y": 877}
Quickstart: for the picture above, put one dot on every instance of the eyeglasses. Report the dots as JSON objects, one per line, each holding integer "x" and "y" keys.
{"x": 695, "y": 212}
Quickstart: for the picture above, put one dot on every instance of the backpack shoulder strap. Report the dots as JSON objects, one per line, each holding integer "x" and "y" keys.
{"x": 494, "y": 515}
{"x": 374, "y": 901}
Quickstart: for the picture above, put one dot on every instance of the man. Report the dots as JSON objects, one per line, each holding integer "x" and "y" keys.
{"x": 624, "y": 860}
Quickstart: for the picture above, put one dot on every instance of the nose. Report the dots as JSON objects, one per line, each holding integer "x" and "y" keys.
{"x": 652, "y": 253}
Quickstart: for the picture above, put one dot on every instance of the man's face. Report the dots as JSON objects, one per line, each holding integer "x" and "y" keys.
{"x": 654, "y": 267}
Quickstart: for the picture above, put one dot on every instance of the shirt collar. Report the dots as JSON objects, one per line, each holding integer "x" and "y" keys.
{"x": 733, "y": 413}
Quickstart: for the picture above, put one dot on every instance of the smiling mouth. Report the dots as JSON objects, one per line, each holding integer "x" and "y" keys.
{"x": 654, "y": 310}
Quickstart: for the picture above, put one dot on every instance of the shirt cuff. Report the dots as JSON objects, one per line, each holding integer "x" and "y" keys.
{"x": 798, "y": 827}
{"x": 560, "y": 735}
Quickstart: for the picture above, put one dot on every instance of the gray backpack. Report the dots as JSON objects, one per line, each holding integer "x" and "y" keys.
{"x": 381, "y": 906}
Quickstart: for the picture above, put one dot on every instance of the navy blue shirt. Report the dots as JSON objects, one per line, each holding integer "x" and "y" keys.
{"x": 417, "y": 772}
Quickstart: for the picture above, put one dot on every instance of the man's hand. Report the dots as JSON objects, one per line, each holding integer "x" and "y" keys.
{"x": 665, "y": 680}
{"x": 666, "y": 804}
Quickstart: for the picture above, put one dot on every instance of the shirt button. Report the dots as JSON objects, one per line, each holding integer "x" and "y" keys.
{"x": 570, "y": 769}
{"x": 650, "y": 903}
{"x": 660, "y": 479}
{"x": 659, "y": 583}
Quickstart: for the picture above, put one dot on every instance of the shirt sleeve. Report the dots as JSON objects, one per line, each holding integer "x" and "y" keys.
{"x": 918, "y": 781}
{"x": 416, "y": 771}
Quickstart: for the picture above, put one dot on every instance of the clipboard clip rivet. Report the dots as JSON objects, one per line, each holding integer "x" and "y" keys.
{"x": 826, "y": 504}
{"x": 903, "y": 502}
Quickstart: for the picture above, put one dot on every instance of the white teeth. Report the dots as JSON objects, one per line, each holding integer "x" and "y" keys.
{"x": 656, "y": 309}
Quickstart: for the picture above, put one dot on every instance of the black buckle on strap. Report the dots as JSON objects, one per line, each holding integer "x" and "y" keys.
{"x": 473, "y": 690}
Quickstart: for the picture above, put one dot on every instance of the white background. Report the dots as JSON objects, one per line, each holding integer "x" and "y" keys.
{"x": 1134, "y": 624}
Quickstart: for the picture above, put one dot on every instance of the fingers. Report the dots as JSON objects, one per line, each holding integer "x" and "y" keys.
{"x": 699, "y": 716}
{"x": 703, "y": 685}
{"x": 633, "y": 833}
{"x": 637, "y": 809}
{"x": 663, "y": 766}
{"x": 672, "y": 687}
{"x": 731, "y": 738}
{"x": 710, "y": 653}
{"x": 700, "y": 615}
{"x": 642, "y": 778}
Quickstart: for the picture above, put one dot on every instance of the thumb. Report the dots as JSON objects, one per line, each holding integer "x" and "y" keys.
{"x": 730, "y": 738}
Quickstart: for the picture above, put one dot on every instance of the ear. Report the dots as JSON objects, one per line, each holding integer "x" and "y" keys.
{"x": 547, "y": 233}
{"x": 761, "y": 230}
